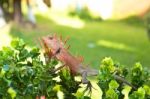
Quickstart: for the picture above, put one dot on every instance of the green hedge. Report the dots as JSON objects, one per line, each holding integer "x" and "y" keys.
{"x": 24, "y": 74}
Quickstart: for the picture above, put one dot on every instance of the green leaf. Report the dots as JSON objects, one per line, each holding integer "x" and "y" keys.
{"x": 104, "y": 73}
{"x": 125, "y": 72}
{"x": 137, "y": 75}
{"x": 137, "y": 70}
{"x": 142, "y": 92}
{"x": 34, "y": 52}
{"x": 139, "y": 94}
{"x": 56, "y": 88}
{"x": 113, "y": 84}
{"x": 17, "y": 44}
{"x": 8, "y": 51}
{"x": 12, "y": 92}
{"x": 2, "y": 72}
{"x": 23, "y": 55}
{"x": 111, "y": 94}
{"x": 66, "y": 74}
{"x": 80, "y": 95}
{"x": 126, "y": 91}
{"x": 147, "y": 89}
{"x": 139, "y": 66}
{"x": 107, "y": 61}
{"x": 109, "y": 64}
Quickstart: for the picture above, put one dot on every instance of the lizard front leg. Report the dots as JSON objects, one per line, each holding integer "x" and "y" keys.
{"x": 86, "y": 81}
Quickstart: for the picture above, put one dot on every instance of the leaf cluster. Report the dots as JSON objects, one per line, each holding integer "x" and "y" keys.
{"x": 131, "y": 83}
{"x": 23, "y": 74}
{"x": 27, "y": 74}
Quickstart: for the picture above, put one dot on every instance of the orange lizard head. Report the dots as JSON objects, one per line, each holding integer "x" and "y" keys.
{"x": 53, "y": 43}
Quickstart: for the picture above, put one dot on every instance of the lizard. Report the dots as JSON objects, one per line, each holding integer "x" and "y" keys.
{"x": 56, "y": 48}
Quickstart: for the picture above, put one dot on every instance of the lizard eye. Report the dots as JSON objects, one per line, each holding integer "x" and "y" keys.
{"x": 50, "y": 38}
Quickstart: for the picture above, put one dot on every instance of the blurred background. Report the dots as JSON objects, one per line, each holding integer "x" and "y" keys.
{"x": 97, "y": 28}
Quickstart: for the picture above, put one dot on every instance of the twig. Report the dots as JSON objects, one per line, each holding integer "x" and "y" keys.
{"x": 124, "y": 81}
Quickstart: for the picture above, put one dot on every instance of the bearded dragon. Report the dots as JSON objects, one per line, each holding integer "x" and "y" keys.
{"x": 56, "y": 48}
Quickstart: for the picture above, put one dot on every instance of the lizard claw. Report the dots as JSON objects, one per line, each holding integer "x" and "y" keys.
{"x": 88, "y": 88}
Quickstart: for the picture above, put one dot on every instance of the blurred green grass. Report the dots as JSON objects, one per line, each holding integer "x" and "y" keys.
{"x": 123, "y": 41}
